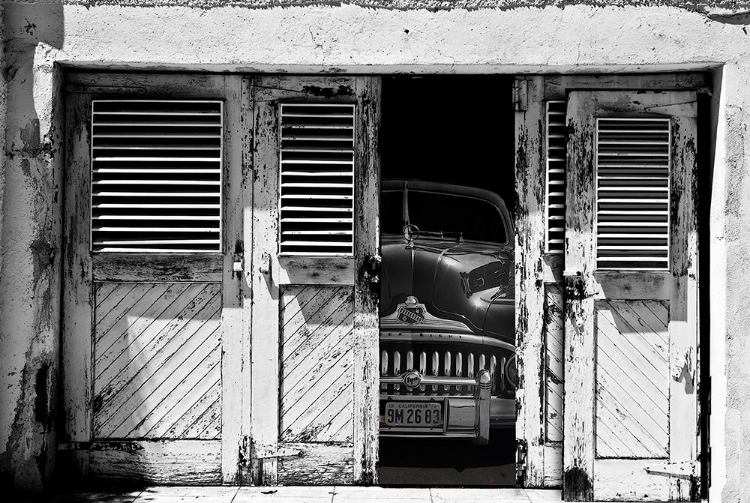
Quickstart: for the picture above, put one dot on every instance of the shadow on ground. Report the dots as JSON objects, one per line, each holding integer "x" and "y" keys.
{"x": 449, "y": 462}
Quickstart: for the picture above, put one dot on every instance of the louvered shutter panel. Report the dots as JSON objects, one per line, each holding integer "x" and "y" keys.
{"x": 632, "y": 192}
{"x": 555, "y": 176}
{"x": 317, "y": 179}
{"x": 156, "y": 181}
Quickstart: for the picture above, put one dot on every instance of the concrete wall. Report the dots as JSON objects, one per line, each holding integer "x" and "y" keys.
{"x": 368, "y": 36}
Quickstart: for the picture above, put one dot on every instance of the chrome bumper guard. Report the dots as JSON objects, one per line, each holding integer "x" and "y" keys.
{"x": 481, "y": 403}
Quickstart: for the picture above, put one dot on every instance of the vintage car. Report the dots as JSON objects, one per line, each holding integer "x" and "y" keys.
{"x": 447, "y": 353}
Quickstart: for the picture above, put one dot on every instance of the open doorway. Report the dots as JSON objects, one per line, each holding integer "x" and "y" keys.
{"x": 447, "y": 284}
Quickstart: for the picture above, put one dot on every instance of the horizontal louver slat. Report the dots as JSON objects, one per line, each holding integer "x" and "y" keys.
{"x": 632, "y": 193}
{"x": 555, "y": 176}
{"x": 156, "y": 176}
{"x": 317, "y": 179}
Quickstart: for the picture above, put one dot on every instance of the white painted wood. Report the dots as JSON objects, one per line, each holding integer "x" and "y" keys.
{"x": 683, "y": 323}
{"x": 160, "y": 359}
{"x": 316, "y": 365}
{"x": 185, "y": 462}
{"x": 641, "y": 366}
{"x": 313, "y": 382}
{"x": 264, "y": 331}
{"x": 315, "y": 271}
{"x": 317, "y": 464}
{"x": 235, "y": 320}
{"x": 554, "y": 369}
{"x": 161, "y": 267}
{"x": 120, "y": 277}
{"x": 578, "y": 455}
{"x": 555, "y": 87}
{"x": 627, "y": 480}
{"x": 77, "y": 302}
{"x": 366, "y": 246}
{"x": 529, "y": 286}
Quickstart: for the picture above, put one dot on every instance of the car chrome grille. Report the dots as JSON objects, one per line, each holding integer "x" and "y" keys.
{"x": 442, "y": 360}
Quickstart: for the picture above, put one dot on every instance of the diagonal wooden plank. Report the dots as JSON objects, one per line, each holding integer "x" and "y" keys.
{"x": 157, "y": 298}
{"x": 642, "y": 355}
{"x": 150, "y": 363}
{"x": 155, "y": 295}
{"x": 199, "y": 301}
{"x": 650, "y": 344}
{"x": 617, "y": 346}
{"x": 151, "y": 394}
{"x": 150, "y": 368}
{"x": 199, "y": 415}
{"x": 337, "y": 304}
{"x": 650, "y": 402}
{"x": 293, "y": 321}
{"x": 102, "y": 291}
{"x": 645, "y": 315}
{"x": 618, "y": 446}
{"x": 120, "y": 340}
{"x": 294, "y": 298}
{"x": 313, "y": 424}
{"x": 208, "y": 426}
{"x": 324, "y": 335}
{"x": 188, "y": 399}
{"x": 320, "y": 357}
{"x": 185, "y": 385}
{"x": 340, "y": 426}
{"x": 302, "y": 397}
{"x": 117, "y": 305}
{"x": 643, "y": 439}
{"x": 653, "y": 416}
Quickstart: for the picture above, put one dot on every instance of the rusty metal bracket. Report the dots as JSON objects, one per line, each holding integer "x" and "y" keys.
{"x": 681, "y": 470}
{"x": 520, "y": 95}
{"x": 281, "y": 452}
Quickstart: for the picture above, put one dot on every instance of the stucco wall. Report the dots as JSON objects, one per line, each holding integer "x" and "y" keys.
{"x": 363, "y": 37}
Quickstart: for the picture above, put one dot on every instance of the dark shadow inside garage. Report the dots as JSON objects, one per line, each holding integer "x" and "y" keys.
{"x": 458, "y": 131}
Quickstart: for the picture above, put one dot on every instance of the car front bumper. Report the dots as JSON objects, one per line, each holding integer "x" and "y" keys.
{"x": 464, "y": 416}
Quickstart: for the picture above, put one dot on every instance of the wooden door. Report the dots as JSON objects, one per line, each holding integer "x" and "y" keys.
{"x": 313, "y": 272}
{"x": 631, "y": 370}
{"x": 153, "y": 345}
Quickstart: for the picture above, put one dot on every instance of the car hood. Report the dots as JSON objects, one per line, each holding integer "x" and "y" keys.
{"x": 463, "y": 286}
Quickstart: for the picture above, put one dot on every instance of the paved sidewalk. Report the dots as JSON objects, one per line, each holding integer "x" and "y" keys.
{"x": 311, "y": 494}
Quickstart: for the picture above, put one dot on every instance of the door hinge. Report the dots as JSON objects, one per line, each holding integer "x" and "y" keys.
{"x": 681, "y": 470}
{"x": 74, "y": 446}
{"x": 280, "y": 452}
{"x": 520, "y": 95}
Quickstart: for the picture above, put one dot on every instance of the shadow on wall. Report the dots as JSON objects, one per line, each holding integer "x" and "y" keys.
{"x": 30, "y": 245}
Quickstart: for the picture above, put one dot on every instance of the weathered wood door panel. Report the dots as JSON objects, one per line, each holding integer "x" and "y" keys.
{"x": 314, "y": 317}
{"x": 631, "y": 297}
{"x": 539, "y": 299}
{"x": 152, "y": 330}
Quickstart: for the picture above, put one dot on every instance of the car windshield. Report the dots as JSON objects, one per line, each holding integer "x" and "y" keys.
{"x": 391, "y": 212}
{"x": 431, "y": 212}
{"x": 475, "y": 219}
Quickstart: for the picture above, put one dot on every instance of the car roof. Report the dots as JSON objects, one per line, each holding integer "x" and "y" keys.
{"x": 449, "y": 188}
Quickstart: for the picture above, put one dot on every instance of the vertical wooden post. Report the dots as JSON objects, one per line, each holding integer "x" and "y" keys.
{"x": 265, "y": 290}
{"x": 367, "y": 245}
{"x": 683, "y": 307}
{"x": 529, "y": 308}
{"x": 233, "y": 335}
{"x": 578, "y": 450}
{"x": 77, "y": 309}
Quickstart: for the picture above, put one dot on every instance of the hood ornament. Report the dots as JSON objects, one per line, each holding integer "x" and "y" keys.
{"x": 411, "y": 311}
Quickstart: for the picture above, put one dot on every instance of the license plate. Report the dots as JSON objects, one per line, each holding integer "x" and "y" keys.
{"x": 416, "y": 414}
